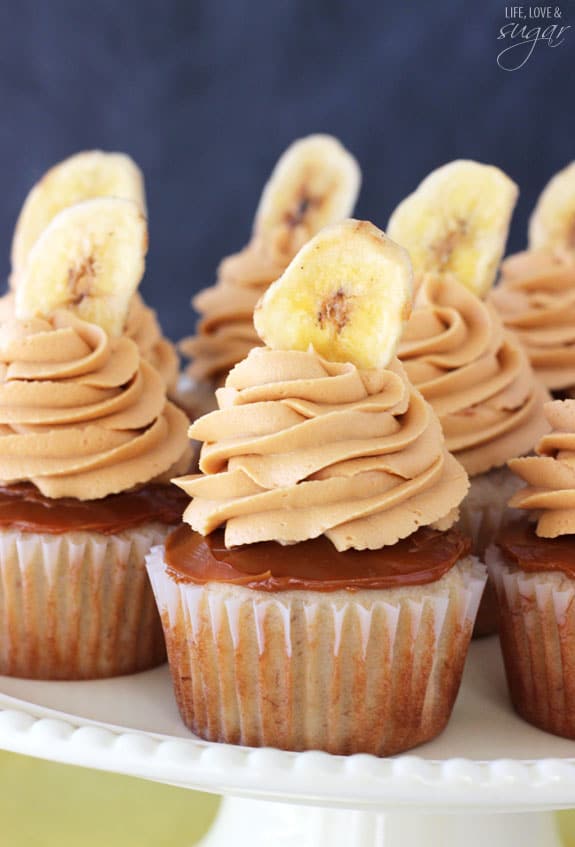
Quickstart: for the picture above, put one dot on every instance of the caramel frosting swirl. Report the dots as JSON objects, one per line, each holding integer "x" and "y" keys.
{"x": 302, "y": 447}
{"x": 536, "y": 298}
{"x": 83, "y": 415}
{"x": 474, "y": 373}
{"x": 550, "y": 475}
{"x": 142, "y": 326}
{"x": 225, "y": 333}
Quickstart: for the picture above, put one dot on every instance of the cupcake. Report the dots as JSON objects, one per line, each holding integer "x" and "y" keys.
{"x": 88, "y": 442}
{"x": 536, "y": 292}
{"x": 316, "y": 595}
{"x": 455, "y": 349}
{"x": 315, "y": 183}
{"x": 532, "y": 566}
{"x": 474, "y": 373}
{"x": 86, "y": 176}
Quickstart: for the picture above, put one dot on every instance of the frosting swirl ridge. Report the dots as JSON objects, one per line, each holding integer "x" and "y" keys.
{"x": 536, "y": 299}
{"x": 474, "y": 373}
{"x": 225, "y": 332}
{"x": 82, "y": 415}
{"x": 550, "y": 475}
{"x": 302, "y": 447}
{"x": 142, "y": 326}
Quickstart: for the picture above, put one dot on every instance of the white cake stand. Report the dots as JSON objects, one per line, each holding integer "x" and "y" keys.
{"x": 490, "y": 779}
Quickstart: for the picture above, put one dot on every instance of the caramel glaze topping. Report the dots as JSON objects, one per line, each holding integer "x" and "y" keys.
{"x": 23, "y": 507}
{"x": 523, "y": 548}
{"x": 312, "y": 565}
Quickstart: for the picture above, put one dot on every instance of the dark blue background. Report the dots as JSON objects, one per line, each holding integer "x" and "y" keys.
{"x": 205, "y": 94}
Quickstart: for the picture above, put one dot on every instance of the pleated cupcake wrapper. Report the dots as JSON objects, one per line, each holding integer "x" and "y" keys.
{"x": 537, "y": 632}
{"x": 484, "y": 512}
{"x": 78, "y": 606}
{"x": 371, "y": 671}
{"x": 482, "y": 515}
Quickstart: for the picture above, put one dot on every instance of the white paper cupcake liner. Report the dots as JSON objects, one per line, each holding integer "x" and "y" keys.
{"x": 484, "y": 512}
{"x": 368, "y": 671}
{"x": 79, "y": 605}
{"x": 537, "y": 632}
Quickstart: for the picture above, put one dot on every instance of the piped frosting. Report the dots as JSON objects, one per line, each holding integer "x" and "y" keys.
{"x": 536, "y": 299}
{"x": 225, "y": 332}
{"x": 83, "y": 415}
{"x": 550, "y": 475}
{"x": 301, "y": 447}
{"x": 474, "y": 373}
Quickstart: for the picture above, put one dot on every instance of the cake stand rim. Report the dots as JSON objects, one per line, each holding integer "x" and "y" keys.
{"x": 357, "y": 781}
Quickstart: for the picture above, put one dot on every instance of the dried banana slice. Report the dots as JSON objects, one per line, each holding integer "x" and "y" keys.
{"x": 89, "y": 259}
{"x": 315, "y": 183}
{"x": 552, "y": 224}
{"x": 347, "y": 294}
{"x": 456, "y": 222}
{"x": 81, "y": 177}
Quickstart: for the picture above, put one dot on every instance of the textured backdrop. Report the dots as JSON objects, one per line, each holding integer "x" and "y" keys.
{"x": 206, "y": 93}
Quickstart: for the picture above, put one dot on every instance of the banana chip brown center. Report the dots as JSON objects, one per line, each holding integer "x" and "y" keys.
{"x": 297, "y": 216}
{"x": 444, "y": 247}
{"x": 335, "y": 310}
{"x": 80, "y": 280}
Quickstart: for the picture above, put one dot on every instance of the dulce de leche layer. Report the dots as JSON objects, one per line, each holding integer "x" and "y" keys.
{"x": 312, "y": 565}
{"x": 525, "y": 549}
{"x": 24, "y": 508}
